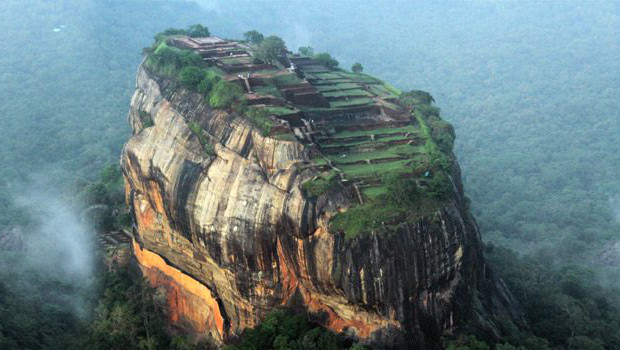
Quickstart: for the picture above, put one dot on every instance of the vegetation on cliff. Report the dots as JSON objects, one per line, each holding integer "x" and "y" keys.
{"x": 406, "y": 175}
{"x": 408, "y": 190}
{"x": 193, "y": 73}
{"x": 281, "y": 330}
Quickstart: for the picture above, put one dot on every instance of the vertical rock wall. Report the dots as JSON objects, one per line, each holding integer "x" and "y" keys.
{"x": 230, "y": 236}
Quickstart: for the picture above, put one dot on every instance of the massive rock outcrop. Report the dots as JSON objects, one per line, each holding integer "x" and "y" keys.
{"x": 230, "y": 235}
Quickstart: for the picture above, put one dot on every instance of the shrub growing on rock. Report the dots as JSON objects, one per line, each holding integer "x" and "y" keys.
{"x": 253, "y": 37}
{"x": 401, "y": 191}
{"x": 225, "y": 94}
{"x": 270, "y": 49}
{"x": 326, "y": 59}
{"x": 357, "y": 68}
{"x": 191, "y": 77}
{"x": 198, "y": 30}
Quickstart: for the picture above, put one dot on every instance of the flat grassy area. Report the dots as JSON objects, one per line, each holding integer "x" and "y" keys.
{"x": 360, "y": 170}
{"x": 335, "y": 82}
{"x": 339, "y": 81}
{"x": 315, "y": 69}
{"x": 236, "y": 60}
{"x": 371, "y": 193}
{"x": 378, "y": 213}
{"x": 267, "y": 90}
{"x": 398, "y": 150}
{"x": 337, "y": 87}
{"x": 351, "y": 102}
{"x": 430, "y": 144}
{"x": 328, "y": 76}
{"x": 360, "y": 77}
{"x": 277, "y": 110}
{"x": 286, "y": 79}
{"x": 377, "y": 142}
{"x": 350, "y": 93}
{"x": 381, "y": 91}
{"x": 363, "y": 218}
{"x": 269, "y": 71}
{"x": 347, "y": 133}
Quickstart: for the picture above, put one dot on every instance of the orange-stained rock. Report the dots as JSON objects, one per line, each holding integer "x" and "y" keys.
{"x": 189, "y": 301}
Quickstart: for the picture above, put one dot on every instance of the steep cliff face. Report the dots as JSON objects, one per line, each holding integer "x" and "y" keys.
{"x": 230, "y": 234}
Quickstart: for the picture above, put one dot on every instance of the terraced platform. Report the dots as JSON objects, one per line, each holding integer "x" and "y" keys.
{"x": 362, "y": 133}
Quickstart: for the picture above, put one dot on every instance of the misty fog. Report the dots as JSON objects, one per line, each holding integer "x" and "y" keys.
{"x": 61, "y": 243}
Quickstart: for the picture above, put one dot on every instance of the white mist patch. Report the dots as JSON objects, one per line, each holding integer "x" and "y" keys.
{"x": 210, "y": 5}
{"x": 301, "y": 36}
{"x": 614, "y": 203}
{"x": 61, "y": 243}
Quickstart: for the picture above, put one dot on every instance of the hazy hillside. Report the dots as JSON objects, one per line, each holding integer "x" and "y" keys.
{"x": 66, "y": 76}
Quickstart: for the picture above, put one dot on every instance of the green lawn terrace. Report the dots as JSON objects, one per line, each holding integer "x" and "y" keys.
{"x": 295, "y": 86}
{"x": 365, "y": 135}
{"x": 357, "y": 131}
{"x": 230, "y": 56}
{"x": 348, "y": 94}
{"x": 366, "y": 155}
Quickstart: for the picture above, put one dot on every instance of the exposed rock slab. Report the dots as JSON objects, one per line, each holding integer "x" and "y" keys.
{"x": 231, "y": 235}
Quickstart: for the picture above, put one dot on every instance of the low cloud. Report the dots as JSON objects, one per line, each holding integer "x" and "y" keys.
{"x": 57, "y": 249}
{"x": 61, "y": 242}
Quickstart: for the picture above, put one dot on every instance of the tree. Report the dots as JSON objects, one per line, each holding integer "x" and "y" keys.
{"x": 306, "y": 51}
{"x": 440, "y": 185}
{"x": 270, "y": 49}
{"x": 414, "y": 98}
{"x": 209, "y": 81}
{"x": 253, "y": 37}
{"x": 166, "y": 57}
{"x": 357, "y": 67}
{"x": 198, "y": 30}
{"x": 225, "y": 94}
{"x": 191, "y": 76}
{"x": 326, "y": 59}
{"x": 169, "y": 32}
{"x": 401, "y": 191}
